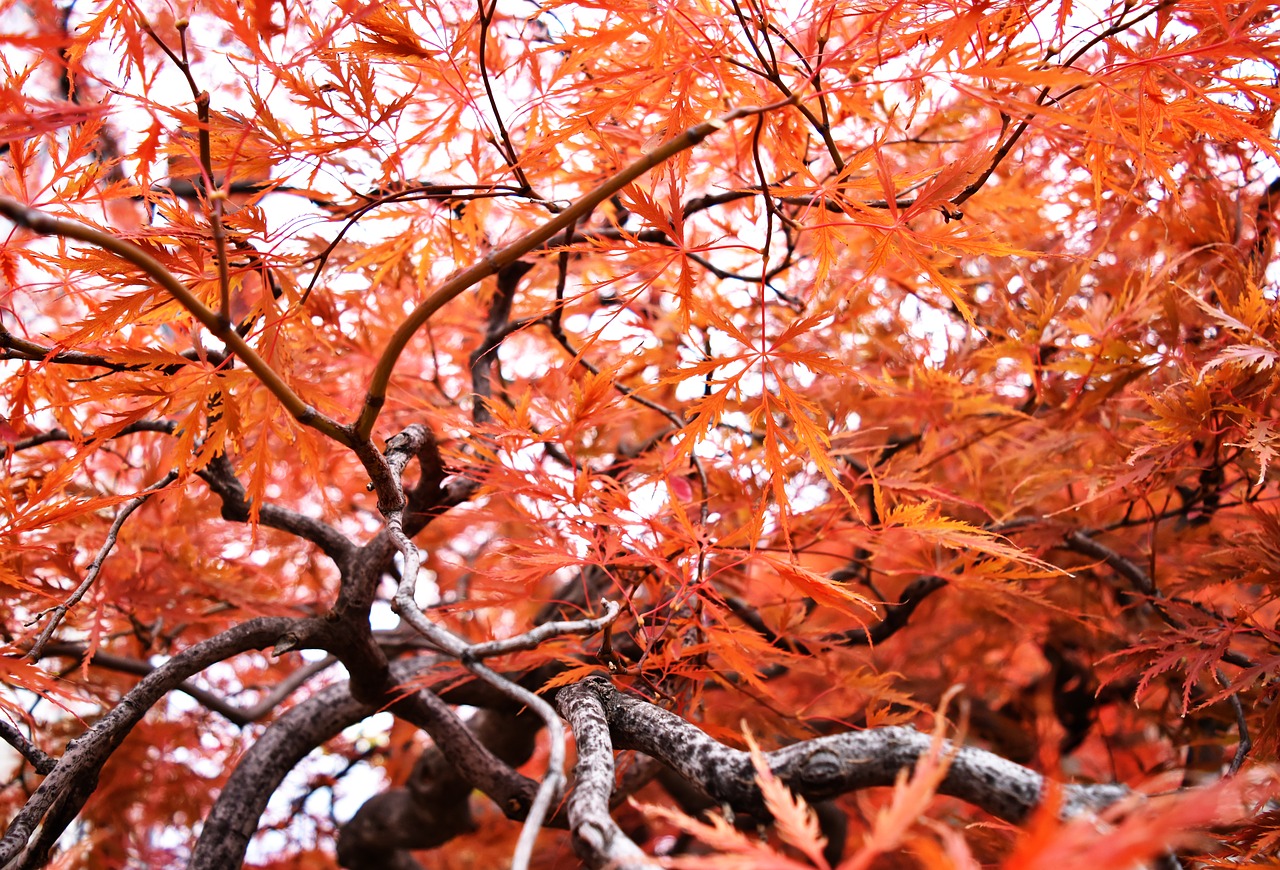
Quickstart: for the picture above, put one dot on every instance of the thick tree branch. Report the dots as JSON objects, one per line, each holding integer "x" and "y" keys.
{"x": 58, "y": 799}
{"x": 385, "y": 472}
{"x": 596, "y": 836}
{"x": 436, "y": 813}
{"x": 828, "y": 766}
{"x": 372, "y": 682}
{"x": 268, "y": 760}
{"x": 433, "y": 806}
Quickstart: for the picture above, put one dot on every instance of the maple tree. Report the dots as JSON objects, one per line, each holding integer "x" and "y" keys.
{"x": 846, "y": 429}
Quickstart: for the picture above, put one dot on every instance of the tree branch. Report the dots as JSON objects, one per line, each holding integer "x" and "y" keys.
{"x": 895, "y": 615}
{"x": 596, "y": 836}
{"x": 469, "y": 277}
{"x": 56, "y": 435}
{"x": 828, "y": 766}
{"x": 56, "y": 802}
{"x": 46, "y": 224}
{"x": 433, "y": 807}
{"x": 505, "y": 146}
{"x": 42, "y": 761}
{"x": 1082, "y": 542}
{"x": 439, "y": 810}
{"x": 95, "y": 567}
{"x": 484, "y": 356}
{"x": 222, "y": 480}
{"x": 268, "y": 760}
{"x": 240, "y": 716}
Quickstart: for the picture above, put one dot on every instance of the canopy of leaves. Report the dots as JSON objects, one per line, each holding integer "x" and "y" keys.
{"x": 813, "y": 359}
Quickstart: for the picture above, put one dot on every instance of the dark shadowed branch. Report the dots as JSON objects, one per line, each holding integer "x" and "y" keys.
{"x": 42, "y": 761}
{"x": 59, "y": 798}
{"x": 220, "y": 477}
{"x": 209, "y": 700}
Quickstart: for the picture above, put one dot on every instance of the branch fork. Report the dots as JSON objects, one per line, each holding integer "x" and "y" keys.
{"x": 385, "y": 471}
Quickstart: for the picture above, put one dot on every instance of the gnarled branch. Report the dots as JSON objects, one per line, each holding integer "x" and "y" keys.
{"x": 58, "y": 799}
{"x": 814, "y": 769}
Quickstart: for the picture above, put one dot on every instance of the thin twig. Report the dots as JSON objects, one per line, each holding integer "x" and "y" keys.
{"x": 554, "y": 323}
{"x": 1081, "y": 542}
{"x": 95, "y": 567}
{"x": 1245, "y": 742}
{"x": 485, "y": 356}
{"x": 1141, "y": 581}
{"x": 237, "y": 507}
{"x": 240, "y": 716}
{"x": 461, "y": 281}
{"x": 12, "y": 347}
{"x": 216, "y": 200}
{"x": 544, "y": 632}
{"x": 56, "y": 435}
{"x": 180, "y": 62}
{"x": 406, "y": 607}
{"x": 1003, "y": 151}
{"x": 443, "y": 193}
{"x": 506, "y": 148}
{"x": 773, "y": 75}
{"x": 552, "y": 785}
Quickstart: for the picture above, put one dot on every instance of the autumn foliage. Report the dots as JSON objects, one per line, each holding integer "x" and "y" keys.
{"x": 804, "y": 369}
